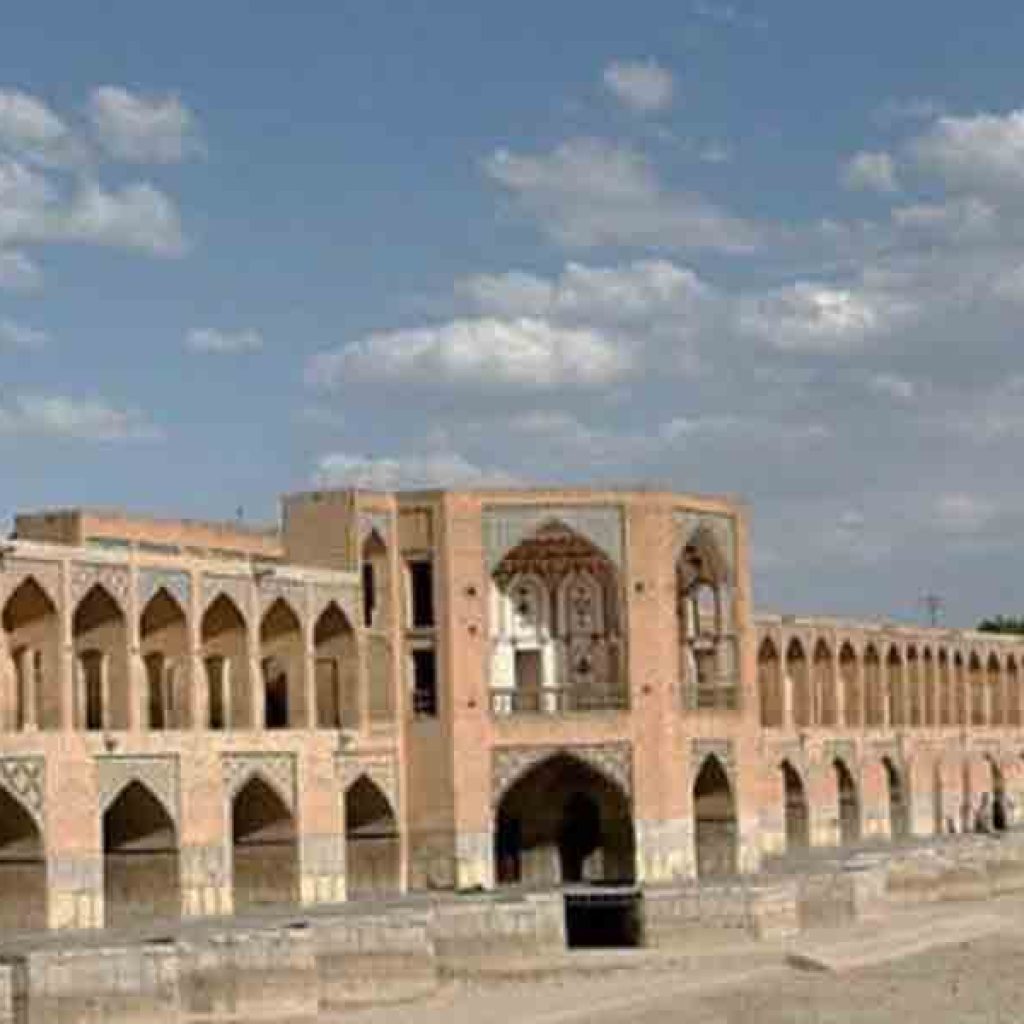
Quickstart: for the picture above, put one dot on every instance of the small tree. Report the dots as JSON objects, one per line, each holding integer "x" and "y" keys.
{"x": 1002, "y": 624}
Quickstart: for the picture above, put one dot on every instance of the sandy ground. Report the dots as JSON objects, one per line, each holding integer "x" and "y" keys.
{"x": 976, "y": 981}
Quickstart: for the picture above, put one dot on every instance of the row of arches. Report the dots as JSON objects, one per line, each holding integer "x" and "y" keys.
{"x": 277, "y": 675}
{"x": 892, "y": 685}
{"x": 142, "y": 877}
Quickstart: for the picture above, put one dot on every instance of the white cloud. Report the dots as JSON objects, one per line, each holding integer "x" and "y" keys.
{"x": 135, "y": 216}
{"x": 748, "y": 430}
{"x": 641, "y": 290}
{"x": 21, "y": 336}
{"x": 84, "y": 419}
{"x": 875, "y": 172}
{"x": 435, "y": 470}
{"x": 806, "y": 317}
{"x": 18, "y": 273}
{"x": 963, "y": 513}
{"x": 644, "y": 86}
{"x": 524, "y": 353}
{"x": 890, "y": 385}
{"x": 590, "y": 192}
{"x": 914, "y": 108}
{"x": 961, "y": 219}
{"x": 980, "y": 152}
{"x": 143, "y": 129}
{"x": 214, "y": 340}
{"x": 31, "y": 129}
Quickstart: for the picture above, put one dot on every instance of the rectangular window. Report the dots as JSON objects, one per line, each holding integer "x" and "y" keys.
{"x": 421, "y": 583}
{"x": 424, "y": 682}
{"x": 528, "y": 671}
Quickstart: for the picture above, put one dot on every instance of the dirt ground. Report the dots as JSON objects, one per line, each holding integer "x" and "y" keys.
{"x": 978, "y": 981}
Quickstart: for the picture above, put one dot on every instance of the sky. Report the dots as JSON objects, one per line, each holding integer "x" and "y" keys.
{"x": 768, "y": 250}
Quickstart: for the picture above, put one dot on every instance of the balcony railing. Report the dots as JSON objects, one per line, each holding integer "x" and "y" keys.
{"x": 557, "y": 701}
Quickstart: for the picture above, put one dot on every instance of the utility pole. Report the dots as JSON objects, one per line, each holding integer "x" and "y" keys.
{"x": 933, "y": 605}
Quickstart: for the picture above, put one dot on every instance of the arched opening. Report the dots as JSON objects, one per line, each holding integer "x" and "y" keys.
{"x": 966, "y": 797}
{"x": 265, "y": 861}
{"x": 372, "y": 855}
{"x": 938, "y": 806}
{"x": 22, "y": 868}
{"x": 554, "y": 623}
{"x": 705, "y": 623}
{"x": 899, "y": 817}
{"x": 798, "y": 833}
{"x": 714, "y": 808}
{"x": 799, "y": 683}
{"x": 226, "y": 664}
{"x": 769, "y": 683}
{"x": 283, "y": 662}
{"x": 931, "y": 702}
{"x": 561, "y": 823}
{"x": 996, "y": 701}
{"x": 976, "y": 689}
{"x": 376, "y": 579}
{"x": 997, "y": 797}
{"x": 141, "y": 879}
{"x": 848, "y": 802}
{"x": 947, "y": 705}
{"x": 825, "y": 684}
{"x": 102, "y": 693}
{"x": 915, "y": 703}
{"x": 853, "y": 699}
{"x": 1013, "y": 696}
{"x": 895, "y": 688}
{"x": 163, "y": 638}
{"x": 960, "y": 703}
{"x": 337, "y": 670}
{"x": 874, "y": 700}
{"x": 31, "y": 629}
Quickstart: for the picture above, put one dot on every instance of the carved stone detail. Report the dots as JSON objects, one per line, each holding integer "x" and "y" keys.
{"x": 722, "y": 749}
{"x": 25, "y": 779}
{"x": 293, "y": 592}
{"x": 504, "y": 526}
{"x": 345, "y": 598}
{"x": 721, "y": 527}
{"x": 380, "y": 769}
{"x": 278, "y": 770}
{"x": 115, "y": 579}
{"x": 177, "y": 584}
{"x": 373, "y": 522}
{"x": 235, "y": 587}
{"x": 510, "y": 764}
{"x": 14, "y": 571}
{"x": 159, "y": 774}
{"x": 842, "y": 750}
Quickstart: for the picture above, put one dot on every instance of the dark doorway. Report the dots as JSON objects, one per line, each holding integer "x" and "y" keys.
{"x": 604, "y": 918}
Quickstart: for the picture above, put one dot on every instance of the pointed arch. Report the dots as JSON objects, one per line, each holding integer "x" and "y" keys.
{"x": 930, "y": 689}
{"x": 141, "y": 871}
{"x": 798, "y": 674}
{"x": 769, "y": 684}
{"x": 224, "y": 635}
{"x": 100, "y": 634}
{"x": 961, "y": 704}
{"x": 715, "y": 821}
{"x": 947, "y": 704}
{"x": 561, "y": 821}
{"x": 976, "y": 689}
{"x": 874, "y": 695}
{"x": 795, "y": 807}
{"x": 1014, "y": 704}
{"x": 995, "y": 709}
{"x": 824, "y": 689}
{"x": 264, "y": 849}
{"x": 848, "y": 802}
{"x": 23, "y": 883}
{"x": 996, "y": 797}
{"x": 850, "y": 680}
{"x": 914, "y": 697}
{"x": 372, "y": 847}
{"x": 164, "y": 647}
{"x": 336, "y": 664}
{"x": 899, "y": 810}
{"x": 895, "y": 687}
{"x": 31, "y": 628}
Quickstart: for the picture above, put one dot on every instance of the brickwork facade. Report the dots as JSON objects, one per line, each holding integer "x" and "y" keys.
{"x": 454, "y": 689}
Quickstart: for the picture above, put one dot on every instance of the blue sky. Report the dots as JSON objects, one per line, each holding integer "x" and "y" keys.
{"x": 773, "y": 250}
